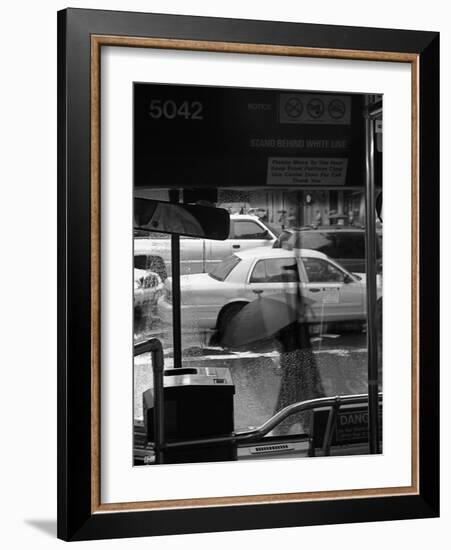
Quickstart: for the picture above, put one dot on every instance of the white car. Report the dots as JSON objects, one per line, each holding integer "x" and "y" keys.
{"x": 201, "y": 255}
{"x": 148, "y": 287}
{"x": 210, "y": 300}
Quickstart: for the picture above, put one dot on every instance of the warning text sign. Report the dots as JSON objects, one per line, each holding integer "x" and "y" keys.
{"x": 306, "y": 171}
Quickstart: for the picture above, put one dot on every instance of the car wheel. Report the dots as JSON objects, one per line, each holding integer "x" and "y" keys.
{"x": 226, "y": 316}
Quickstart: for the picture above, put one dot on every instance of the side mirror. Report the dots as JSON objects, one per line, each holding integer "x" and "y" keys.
{"x": 188, "y": 220}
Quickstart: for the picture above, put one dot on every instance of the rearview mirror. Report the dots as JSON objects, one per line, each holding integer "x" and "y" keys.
{"x": 188, "y": 220}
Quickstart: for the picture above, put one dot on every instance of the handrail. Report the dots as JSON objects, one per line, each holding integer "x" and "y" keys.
{"x": 257, "y": 434}
{"x": 154, "y": 346}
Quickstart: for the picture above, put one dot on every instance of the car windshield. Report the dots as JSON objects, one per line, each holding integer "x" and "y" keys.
{"x": 275, "y": 230}
{"x": 222, "y": 270}
{"x": 285, "y": 326}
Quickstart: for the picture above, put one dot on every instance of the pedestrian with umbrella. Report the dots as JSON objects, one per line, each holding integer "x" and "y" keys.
{"x": 281, "y": 317}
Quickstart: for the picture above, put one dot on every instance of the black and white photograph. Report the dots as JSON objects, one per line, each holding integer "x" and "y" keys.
{"x": 257, "y": 273}
{"x": 225, "y": 295}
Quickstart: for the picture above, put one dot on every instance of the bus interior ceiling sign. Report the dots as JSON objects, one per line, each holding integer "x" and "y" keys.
{"x": 194, "y": 136}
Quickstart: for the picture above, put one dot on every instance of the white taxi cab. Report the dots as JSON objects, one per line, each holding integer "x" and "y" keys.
{"x": 210, "y": 300}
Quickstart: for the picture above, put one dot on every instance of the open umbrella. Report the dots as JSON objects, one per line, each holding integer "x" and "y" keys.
{"x": 263, "y": 318}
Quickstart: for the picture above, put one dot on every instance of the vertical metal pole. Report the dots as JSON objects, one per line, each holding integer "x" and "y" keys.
{"x": 158, "y": 387}
{"x": 371, "y": 288}
{"x": 204, "y": 256}
{"x": 176, "y": 295}
{"x": 176, "y": 301}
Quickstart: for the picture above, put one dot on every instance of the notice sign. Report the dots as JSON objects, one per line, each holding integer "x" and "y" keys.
{"x": 306, "y": 171}
{"x": 314, "y": 109}
{"x": 188, "y": 136}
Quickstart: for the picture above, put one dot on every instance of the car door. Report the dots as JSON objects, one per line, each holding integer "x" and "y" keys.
{"x": 273, "y": 277}
{"x": 215, "y": 251}
{"x": 192, "y": 255}
{"x": 337, "y": 296}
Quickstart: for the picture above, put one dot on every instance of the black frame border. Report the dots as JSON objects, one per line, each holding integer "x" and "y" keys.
{"x": 75, "y": 520}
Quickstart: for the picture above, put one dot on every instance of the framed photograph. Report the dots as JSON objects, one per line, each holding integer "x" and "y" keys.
{"x": 248, "y": 274}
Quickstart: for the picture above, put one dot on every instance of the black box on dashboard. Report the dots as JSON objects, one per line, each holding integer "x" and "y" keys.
{"x": 198, "y": 403}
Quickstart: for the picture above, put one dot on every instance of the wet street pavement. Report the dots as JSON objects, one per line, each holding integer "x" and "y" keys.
{"x": 341, "y": 362}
